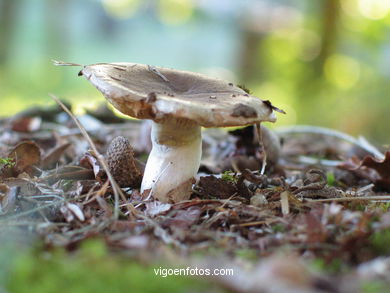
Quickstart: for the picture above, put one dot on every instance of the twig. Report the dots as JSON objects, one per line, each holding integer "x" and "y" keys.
{"x": 62, "y": 63}
{"x": 261, "y": 144}
{"x": 99, "y": 225}
{"x": 39, "y": 208}
{"x": 158, "y": 73}
{"x": 361, "y": 142}
{"x": 151, "y": 192}
{"x": 117, "y": 191}
{"x": 355, "y": 198}
{"x": 369, "y": 147}
{"x": 258, "y": 223}
{"x": 317, "y": 161}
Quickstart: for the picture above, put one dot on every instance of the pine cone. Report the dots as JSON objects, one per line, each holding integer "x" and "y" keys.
{"x": 121, "y": 162}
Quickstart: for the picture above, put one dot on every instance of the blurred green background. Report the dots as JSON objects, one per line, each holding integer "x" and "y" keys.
{"x": 325, "y": 62}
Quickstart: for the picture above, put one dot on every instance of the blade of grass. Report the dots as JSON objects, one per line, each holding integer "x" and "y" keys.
{"x": 117, "y": 190}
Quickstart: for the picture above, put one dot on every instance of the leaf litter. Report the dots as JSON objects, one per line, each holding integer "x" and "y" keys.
{"x": 330, "y": 208}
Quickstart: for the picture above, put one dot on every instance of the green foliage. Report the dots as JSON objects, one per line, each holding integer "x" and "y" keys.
{"x": 247, "y": 254}
{"x": 228, "y": 176}
{"x": 244, "y": 88}
{"x": 380, "y": 242}
{"x": 279, "y": 227}
{"x": 334, "y": 267}
{"x": 91, "y": 269}
{"x": 330, "y": 179}
{"x": 7, "y": 161}
{"x": 374, "y": 287}
{"x": 385, "y": 206}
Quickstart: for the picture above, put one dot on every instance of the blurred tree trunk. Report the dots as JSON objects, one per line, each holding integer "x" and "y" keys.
{"x": 250, "y": 59}
{"x": 329, "y": 35}
{"x": 57, "y": 25}
{"x": 8, "y": 10}
{"x": 313, "y": 82}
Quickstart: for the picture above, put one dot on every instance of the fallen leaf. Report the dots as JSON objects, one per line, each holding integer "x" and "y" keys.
{"x": 75, "y": 209}
{"x": 371, "y": 169}
{"x": 91, "y": 162}
{"x": 183, "y": 218}
{"x": 314, "y": 229}
{"x": 52, "y": 158}
{"x": 25, "y": 155}
{"x": 284, "y": 202}
{"x": 26, "y": 124}
{"x": 181, "y": 192}
{"x": 213, "y": 187}
{"x": 68, "y": 173}
{"x": 134, "y": 242}
{"x": 156, "y": 207}
{"x": 72, "y": 211}
{"x": 25, "y": 186}
{"x": 383, "y": 169}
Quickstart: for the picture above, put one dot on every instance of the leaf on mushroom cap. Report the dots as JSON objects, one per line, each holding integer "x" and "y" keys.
{"x": 156, "y": 93}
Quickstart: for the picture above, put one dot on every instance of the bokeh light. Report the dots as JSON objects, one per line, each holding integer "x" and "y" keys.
{"x": 121, "y": 8}
{"x": 342, "y": 71}
{"x": 374, "y": 9}
{"x": 175, "y": 12}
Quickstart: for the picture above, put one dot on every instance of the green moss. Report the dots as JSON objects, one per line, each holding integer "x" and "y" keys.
{"x": 330, "y": 179}
{"x": 336, "y": 266}
{"x": 380, "y": 242}
{"x": 247, "y": 254}
{"x": 92, "y": 269}
{"x": 228, "y": 176}
{"x": 374, "y": 287}
{"x": 244, "y": 88}
{"x": 7, "y": 161}
{"x": 279, "y": 228}
{"x": 385, "y": 206}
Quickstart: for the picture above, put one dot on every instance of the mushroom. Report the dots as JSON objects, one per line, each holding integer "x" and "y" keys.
{"x": 179, "y": 103}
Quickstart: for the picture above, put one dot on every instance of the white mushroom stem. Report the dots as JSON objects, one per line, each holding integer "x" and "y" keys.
{"x": 173, "y": 161}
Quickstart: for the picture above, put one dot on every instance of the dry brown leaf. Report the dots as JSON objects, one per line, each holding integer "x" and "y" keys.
{"x": 181, "y": 192}
{"x": 7, "y": 198}
{"x": 371, "y": 169}
{"x": 383, "y": 169}
{"x": 25, "y": 155}
{"x": 52, "y": 158}
{"x": 26, "y": 124}
{"x": 134, "y": 242}
{"x": 91, "y": 162}
{"x": 184, "y": 218}
{"x": 68, "y": 173}
{"x": 213, "y": 187}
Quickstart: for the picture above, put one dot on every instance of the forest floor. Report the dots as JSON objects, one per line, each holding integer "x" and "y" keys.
{"x": 318, "y": 220}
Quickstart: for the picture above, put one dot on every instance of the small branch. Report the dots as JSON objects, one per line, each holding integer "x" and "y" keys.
{"x": 315, "y": 161}
{"x": 361, "y": 142}
{"x": 117, "y": 191}
{"x": 355, "y": 198}
{"x": 261, "y": 144}
{"x": 62, "y": 63}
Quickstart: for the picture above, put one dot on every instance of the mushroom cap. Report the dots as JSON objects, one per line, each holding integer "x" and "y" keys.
{"x": 146, "y": 92}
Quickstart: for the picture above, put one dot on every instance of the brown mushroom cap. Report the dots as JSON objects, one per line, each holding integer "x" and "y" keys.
{"x": 157, "y": 93}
